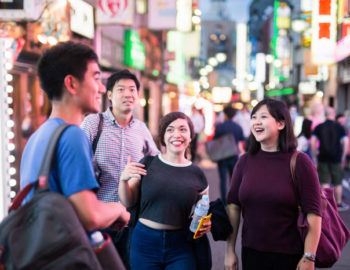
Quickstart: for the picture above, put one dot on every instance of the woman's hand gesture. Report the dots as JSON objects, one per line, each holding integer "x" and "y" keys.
{"x": 133, "y": 170}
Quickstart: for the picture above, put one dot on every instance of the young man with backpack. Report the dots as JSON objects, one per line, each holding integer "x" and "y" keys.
{"x": 69, "y": 74}
{"x": 331, "y": 157}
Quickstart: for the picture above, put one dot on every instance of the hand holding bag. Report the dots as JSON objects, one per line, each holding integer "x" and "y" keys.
{"x": 334, "y": 233}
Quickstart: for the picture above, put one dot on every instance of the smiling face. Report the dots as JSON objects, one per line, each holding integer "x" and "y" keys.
{"x": 91, "y": 89}
{"x": 123, "y": 96}
{"x": 177, "y": 136}
{"x": 266, "y": 129}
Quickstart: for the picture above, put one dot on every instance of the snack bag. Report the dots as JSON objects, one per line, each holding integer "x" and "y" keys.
{"x": 200, "y": 225}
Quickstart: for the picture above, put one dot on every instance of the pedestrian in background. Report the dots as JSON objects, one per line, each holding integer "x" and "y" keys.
{"x": 304, "y": 138}
{"x": 242, "y": 118}
{"x": 198, "y": 126}
{"x": 121, "y": 136}
{"x": 227, "y": 165}
{"x": 70, "y": 76}
{"x": 331, "y": 156}
{"x": 262, "y": 191}
{"x": 169, "y": 189}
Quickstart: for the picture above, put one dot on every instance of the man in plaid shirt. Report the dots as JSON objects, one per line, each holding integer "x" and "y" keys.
{"x": 122, "y": 136}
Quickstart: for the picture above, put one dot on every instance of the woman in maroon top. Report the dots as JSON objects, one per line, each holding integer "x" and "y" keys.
{"x": 262, "y": 191}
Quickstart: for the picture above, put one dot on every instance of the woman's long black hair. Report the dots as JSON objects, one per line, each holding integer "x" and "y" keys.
{"x": 286, "y": 139}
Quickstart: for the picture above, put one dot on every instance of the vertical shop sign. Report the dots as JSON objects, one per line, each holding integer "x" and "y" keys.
{"x": 134, "y": 50}
{"x": 184, "y": 15}
{"x": 323, "y": 42}
{"x": 281, "y": 42}
{"x": 6, "y": 124}
{"x": 115, "y": 11}
{"x": 175, "y": 43}
{"x": 82, "y": 18}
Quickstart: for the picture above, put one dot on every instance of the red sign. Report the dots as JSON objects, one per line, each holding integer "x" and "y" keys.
{"x": 325, "y": 7}
{"x": 325, "y": 31}
{"x": 112, "y": 7}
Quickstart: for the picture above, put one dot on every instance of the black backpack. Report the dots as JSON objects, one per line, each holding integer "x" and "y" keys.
{"x": 45, "y": 233}
{"x": 329, "y": 144}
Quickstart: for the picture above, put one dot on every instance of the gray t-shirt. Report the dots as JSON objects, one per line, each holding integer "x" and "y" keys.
{"x": 168, "y": 192}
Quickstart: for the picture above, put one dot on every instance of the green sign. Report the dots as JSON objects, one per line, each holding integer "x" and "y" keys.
{"x": 134, "y": 50}
{"x": 177, "y": 67}
{"x": 280, "y": 92}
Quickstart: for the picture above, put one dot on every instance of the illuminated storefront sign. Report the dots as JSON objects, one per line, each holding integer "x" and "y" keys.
{"x": 115, "y": 11}
{"x": 82, "y": 18}
{"x": 134, "y": 50}
{"x": 20, "y": 10}
{"x": 221, "y": 94}
{"x": 323, "y": 42}
{"x": 343, "y": 49}
{"x": 280, "y": 92}
{"x": 175, "y": 43}
{"x": 184, "y": 15}
{"x": 7, "y": 135}
{"x": 281, "y": 42}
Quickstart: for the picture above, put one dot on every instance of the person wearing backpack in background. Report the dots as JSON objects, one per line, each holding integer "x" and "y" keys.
{"x": 121, "y": 136}
{"x": 70, "y": 75}
{"x": 227, "y": 165}
{"x": 331, "y": 157}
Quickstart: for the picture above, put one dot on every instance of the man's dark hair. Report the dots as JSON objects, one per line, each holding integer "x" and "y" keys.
{"x": 66, "y": 58}
{"x": 278, "y": 110}
{"x": 120, "y": 75}
{"x": 229, "y": 111}
{"x": 339, "y": 115}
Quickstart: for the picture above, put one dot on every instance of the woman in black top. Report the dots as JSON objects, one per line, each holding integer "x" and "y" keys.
{"x": 169, "y": 189}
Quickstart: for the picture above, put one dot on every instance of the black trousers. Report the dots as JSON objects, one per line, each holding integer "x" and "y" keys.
{"x": 121, "y": 243}
{"x": 258, "y": 260}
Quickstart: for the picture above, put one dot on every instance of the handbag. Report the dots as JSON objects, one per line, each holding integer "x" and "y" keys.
{"x": 222, "y": 147}
{"x": 45, "y": 233}
{"x": 334, "y": 233}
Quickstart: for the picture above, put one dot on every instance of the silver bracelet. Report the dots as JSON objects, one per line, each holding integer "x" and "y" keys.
{"x": 310, "y": 256}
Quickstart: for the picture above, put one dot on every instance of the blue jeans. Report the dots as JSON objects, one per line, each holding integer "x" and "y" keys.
{"x": 226, "y": 165}
{"x": 160, "y": 249}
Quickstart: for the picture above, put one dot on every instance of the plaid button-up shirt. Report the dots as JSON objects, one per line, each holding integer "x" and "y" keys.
{"x": 114, "y": 146}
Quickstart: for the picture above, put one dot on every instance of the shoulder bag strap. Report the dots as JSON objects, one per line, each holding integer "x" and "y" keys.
{"x": 44, "y": 171}
{"x": 147, "y": 163}
{"x": 99, "y": 131}
{"x": 293, "y": 162}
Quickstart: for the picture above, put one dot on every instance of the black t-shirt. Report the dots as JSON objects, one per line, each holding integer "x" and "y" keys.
{"x": 168, "y": 192}
{"x": 329, "y": 134}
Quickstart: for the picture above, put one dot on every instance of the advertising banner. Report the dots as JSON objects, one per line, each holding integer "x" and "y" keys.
{"x": 324, "y": 33}
{"x": 115, "y": 11}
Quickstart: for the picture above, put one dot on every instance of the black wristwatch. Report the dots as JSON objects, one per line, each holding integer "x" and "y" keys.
{"x": 310, "y": 256}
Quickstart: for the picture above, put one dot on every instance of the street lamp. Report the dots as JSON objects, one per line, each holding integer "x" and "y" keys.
{"x": 299, "y": 25}
{"x": 221, "y": 57}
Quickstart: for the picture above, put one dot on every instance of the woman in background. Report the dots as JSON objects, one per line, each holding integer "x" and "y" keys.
{"x": 304, "y": 138}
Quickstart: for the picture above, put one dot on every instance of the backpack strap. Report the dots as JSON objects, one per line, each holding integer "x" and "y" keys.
{"x": 45, "y": 168}
{"x": 135, "y": 210}
{"x": 99, "y": 131}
